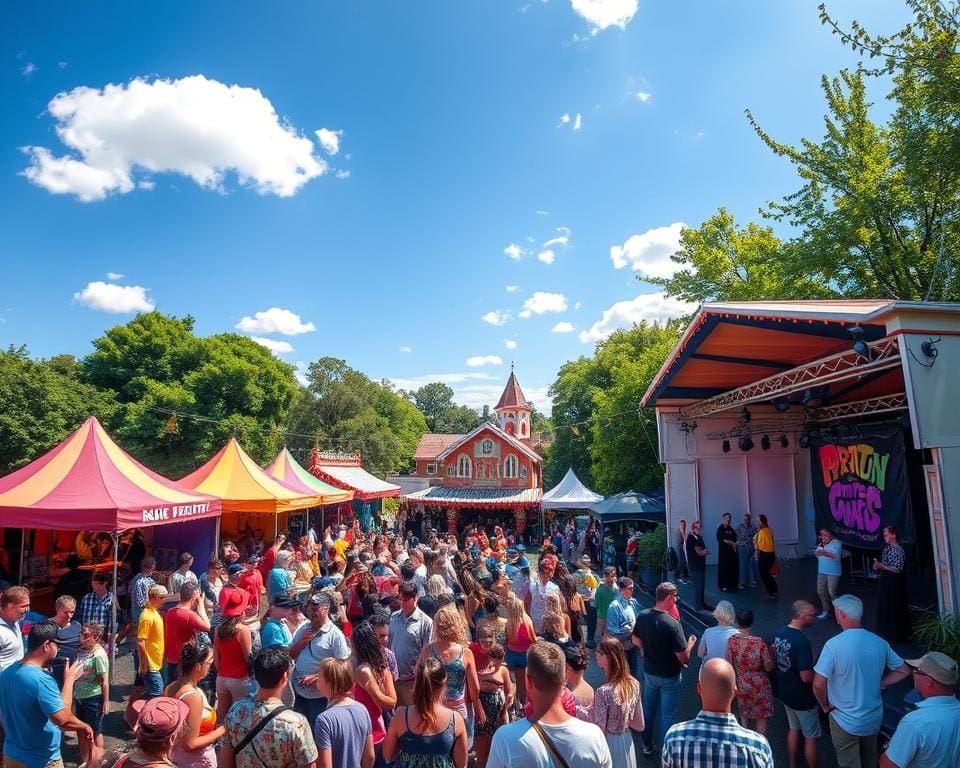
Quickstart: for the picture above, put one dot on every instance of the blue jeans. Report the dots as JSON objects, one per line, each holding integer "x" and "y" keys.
{"x": 635, "y": 663}
{"x": 699, "y": 579}
{"x": 152, "y": 684}
{"x": 749, "y": 573}
{"x": 660, "y": 696}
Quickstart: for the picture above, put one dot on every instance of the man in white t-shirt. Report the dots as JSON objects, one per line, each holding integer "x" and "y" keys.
{"x": 532, "y": 741}
{"x": 535, "y": 600}
{"x": 14, "y": 604}
{"x": 828, "y": 570}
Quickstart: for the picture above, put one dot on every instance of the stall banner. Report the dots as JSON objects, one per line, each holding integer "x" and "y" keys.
{"x": 860, "y": 486}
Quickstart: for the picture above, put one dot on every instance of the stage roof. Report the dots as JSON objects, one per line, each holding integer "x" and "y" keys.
{"x": 88, "y": 483}
{"x": 466, "y": 496}
{"x": 286, "y": 469}
{"x": 344, "y": 471}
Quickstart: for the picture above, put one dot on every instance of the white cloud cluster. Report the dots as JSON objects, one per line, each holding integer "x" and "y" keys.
{"x": 563, "y": 327}
{"x": 606, "y": 13}
{"x": 329, "y": 140}
{"x": 510, "y": 343}
{"x": 116, "y": 299}
{"x": 562, "y": 239}
{"x": 114, "y": 276}
{"x": 577, "y": 120}
{"x": 547, "y": 256}
{"x": 274, "y": 345}
{"x": 648, "y": 307}
{"x": 406, "y": 349}
{"x": 542, "y": 303}
{"x": 643, "y": 96}
{"x": 649, "y": 253}
{"x": 199, "y": 128}
{"x": 497, "y": 317}
{"x": 478, "y": 361}
{"x": 28, "y": 69}
{"x": 275, "y": 320}
{"x": 513, "y": 288}
{"x": 515, "y": 251}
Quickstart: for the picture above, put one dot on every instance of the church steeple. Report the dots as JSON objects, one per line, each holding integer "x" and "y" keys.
{"x": 512, "y": 409}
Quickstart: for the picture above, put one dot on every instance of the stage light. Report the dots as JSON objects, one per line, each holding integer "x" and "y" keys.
{"x": 726, "y": 446}
{"x": 859, "y": 345}
{"x": 745, "y": 443}
{"x": 783, "y": 441}
{"x": 765, "y": 442}
{"x": 780, "y": 404}
{"x": 804, "y": 441}
{"x": 745, "y": 416}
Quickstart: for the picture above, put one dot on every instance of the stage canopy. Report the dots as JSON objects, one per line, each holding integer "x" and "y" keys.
{"x": 344, "y": 471}
{"x": 630, "y": 505}
{"x": 481, "y": 498}
{"x": 88, "y": 483}
{"x": 244, "y": 486}
{"x": 287, "y": 470}
{"x": 571, "y": 494}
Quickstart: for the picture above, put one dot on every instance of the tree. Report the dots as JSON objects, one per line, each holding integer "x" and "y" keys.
{"x": 40, "y": 406}
{"x": 224, "y": 385}
{"x": 722, "y": 261}
{"x": 572, "y": 394}
{"x": 879, "y": 210}
{"x": 435, "y": 401}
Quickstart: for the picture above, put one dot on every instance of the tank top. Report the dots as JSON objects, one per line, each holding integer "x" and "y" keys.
{"x": 522, "y": 643}
{"x": 376, "y": 714}
{"x": 208, "y": 720}
{"x": 456, "y": 676}
{"x": 437, "y": 745}
{"x": 232, "y": 663}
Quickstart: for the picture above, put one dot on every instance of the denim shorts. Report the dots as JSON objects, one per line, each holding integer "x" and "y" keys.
{"x": 90, "y": 711}
{"x": 152, "y": 684}
{"x": 516, "y": 659}
{"x": 806, "y": 721}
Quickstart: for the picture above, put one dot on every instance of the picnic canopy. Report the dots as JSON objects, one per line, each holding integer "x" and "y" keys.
{"x": 570, "y": 493}
{"x": 287, "y": 470}
{"x": 89, "y": 483}
{"x": 244, "y": 487}
{"x": 630, "y": 505}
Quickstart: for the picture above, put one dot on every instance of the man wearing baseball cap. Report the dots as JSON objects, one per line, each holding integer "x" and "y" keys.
{"x": 315, "y": 641}
{"x": 929, "y": 736}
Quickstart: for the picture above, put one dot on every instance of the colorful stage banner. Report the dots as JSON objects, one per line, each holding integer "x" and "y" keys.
{"x": 860, "y": 486}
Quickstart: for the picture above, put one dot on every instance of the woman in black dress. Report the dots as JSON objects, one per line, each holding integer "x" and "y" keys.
{"x": 893, "y": 616}
{"x": 728, "y": 563}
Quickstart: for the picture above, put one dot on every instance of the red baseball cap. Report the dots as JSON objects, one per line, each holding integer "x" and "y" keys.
{"x": 161, "y": 717}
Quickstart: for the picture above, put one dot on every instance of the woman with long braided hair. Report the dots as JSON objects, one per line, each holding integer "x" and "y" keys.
{"x": 373, "y": 682}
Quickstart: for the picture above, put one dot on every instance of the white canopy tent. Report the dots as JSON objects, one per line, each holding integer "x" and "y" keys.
{"x": 570, "y": 494}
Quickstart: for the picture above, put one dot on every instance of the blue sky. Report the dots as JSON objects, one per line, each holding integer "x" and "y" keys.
{"x": 487, "y": 181}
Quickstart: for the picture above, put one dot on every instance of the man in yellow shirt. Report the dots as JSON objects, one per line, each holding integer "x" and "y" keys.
{"x": 150, "y": 642}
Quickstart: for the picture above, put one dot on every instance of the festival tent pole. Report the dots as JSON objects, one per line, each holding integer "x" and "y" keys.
{"x": 113, "y": 603}
{"x": 23, "y": 549}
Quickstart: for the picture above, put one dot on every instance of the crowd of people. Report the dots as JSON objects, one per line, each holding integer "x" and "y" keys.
{"x": 370, "y": 649}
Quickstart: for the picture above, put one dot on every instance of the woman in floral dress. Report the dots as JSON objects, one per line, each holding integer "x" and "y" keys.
{"x": 751, "y": 660}
{"x": 616, "y": 703}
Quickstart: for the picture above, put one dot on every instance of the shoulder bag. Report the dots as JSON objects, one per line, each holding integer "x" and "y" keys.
{"x": 258, "y": 727}
{"x": 551, "y": 747}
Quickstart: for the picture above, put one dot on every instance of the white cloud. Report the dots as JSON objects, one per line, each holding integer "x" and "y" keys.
{"x": 648, "y": 307}
{"x": 341, "y": 174}
{"x": 113, "y": 276}
{"x": 514, "y": 251}
{"x": 547, "y": 257}
{"x": 542, "y": 302}
{"x": 275, "y": 320}
{"x": 199, "y": 128}
{"x": 578, "y": 305}
{"x": 478, "y": 361}
{"x": 563, "y": 327}
{"x": 513, "y": 288}
{"x": 497, "y": 317}
{"x": 650, "y": 252}
{"x": 542, "y": 212}
{"x": 564, "y": 119}
{"x": 406, "y": 349}
{"x": 606, "y": 13}
{"x": 275, "y": 346}
{"x": 62, "y": 64}
{"x": 300, "y": 369}
{"x": 144, "y": 184}
{"x": 329, "y": 140}
{"x": 411, "y": 383}
{"x": 116, "y": 299}
{"x": 28, "y": 69}
{"x": 643, "y": 96}
{"x": 577, "y": 122}
{"x": 510, "y": 344}
{"x": 562, "y": 239}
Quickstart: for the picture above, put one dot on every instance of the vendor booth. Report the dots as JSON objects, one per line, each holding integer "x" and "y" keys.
{"x": 88, "y": 485}
{"x": 253, "y": 501}
{"x": 287, "y": 470}
{"x": 343, "y": 470}
{"x": 820, "y": 414}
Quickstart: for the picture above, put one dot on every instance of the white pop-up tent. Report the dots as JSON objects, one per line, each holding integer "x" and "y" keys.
{"x": 570, "y": 493}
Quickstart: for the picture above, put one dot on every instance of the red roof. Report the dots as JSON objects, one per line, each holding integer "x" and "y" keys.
{"x": 512, "y": 396}
{"x": 431, "y": 445}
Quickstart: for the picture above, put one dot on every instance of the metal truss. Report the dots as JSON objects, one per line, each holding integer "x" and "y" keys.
{"x": 885, "y": 404}
{"x": 772, "y": 428}
{"x": 884, "y": 354}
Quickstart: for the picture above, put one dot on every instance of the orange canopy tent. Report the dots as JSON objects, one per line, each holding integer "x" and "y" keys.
{"x": 245, "y": 487}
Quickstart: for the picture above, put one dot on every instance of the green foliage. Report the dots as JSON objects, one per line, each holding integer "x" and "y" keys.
{"x": 935, "y": 632}
{"x": 572, "y": 394}
{"x": 652, "y": 549}
{"x": 723, "y": 261}
{"x": 40, "y": 404}
{"x": 156, "y": 365}
{"x": 435, "y": 402}
{"x": 343, "y": 408}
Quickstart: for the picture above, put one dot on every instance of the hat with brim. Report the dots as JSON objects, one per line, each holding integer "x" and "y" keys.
{"x": 160, "y": 718}
{"x": 285, "y": 601}
{"x": 236, "y": 602}
{"x": 938, "y": 666}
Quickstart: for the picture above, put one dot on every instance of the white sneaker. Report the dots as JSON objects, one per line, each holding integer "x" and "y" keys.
{"x": 822, "y": 615}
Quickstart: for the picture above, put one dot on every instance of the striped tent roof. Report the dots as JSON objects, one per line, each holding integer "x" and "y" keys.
{"x": 288, "y": 470}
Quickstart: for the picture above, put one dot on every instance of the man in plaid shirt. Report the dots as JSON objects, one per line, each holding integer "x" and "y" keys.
{"x": 98, "y": 605}
{"x": 139, "y": 586}
{"x": 714, "y": 737}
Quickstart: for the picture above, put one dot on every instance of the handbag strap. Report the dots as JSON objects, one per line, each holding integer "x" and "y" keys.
{"x": 259, "y": 727}
{"x": 548, "y": 743}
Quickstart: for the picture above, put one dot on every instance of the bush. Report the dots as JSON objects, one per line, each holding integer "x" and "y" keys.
{"x": 652, "y": 549}
{"x": 939, "y": 633}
